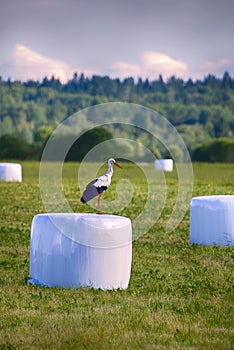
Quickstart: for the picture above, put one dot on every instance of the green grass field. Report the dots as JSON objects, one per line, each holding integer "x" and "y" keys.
{"x": 180, "y": 296}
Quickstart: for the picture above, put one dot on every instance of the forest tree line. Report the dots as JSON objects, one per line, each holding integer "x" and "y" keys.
{"x": 202, "y": 111}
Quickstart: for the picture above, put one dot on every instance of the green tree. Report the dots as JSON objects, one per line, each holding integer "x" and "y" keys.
{"x": 86, "y": 142}
{"x": 218, "y": 150}
{"x": 42, "y": 134}
{"x": 15, "y": 147}
{"x": 6, "y": 126}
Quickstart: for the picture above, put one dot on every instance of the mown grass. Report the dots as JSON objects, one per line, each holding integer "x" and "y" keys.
{"x": 180, "y": 296}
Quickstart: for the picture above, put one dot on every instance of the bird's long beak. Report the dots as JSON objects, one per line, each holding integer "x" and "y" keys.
{"x": 115, "y": 163}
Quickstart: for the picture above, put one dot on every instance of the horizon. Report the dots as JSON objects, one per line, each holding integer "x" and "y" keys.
{"x": 136, "y": 80}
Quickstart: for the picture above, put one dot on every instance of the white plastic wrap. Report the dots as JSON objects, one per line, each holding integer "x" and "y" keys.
{"x": 81, "y": 250}
{"x": 10, "y": 172}
{"x": 164, "y": 164}
{"x": 212, "y": 220}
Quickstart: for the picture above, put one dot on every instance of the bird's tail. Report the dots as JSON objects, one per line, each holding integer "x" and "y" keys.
{"x": 83, "y": 200}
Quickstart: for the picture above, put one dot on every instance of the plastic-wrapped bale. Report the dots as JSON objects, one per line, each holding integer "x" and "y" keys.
{"x": 10, "y": 172}
{"x": 72, "y": 250}
{"x": 212, "y": 220}
{"x": 164, "y": 164}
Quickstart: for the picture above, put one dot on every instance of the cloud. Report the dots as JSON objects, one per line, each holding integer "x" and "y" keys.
{"x": 218, "y": 66}
{"x": 151, "y": 65}
{"x": 159, "y": 63}
{"x": 29, "y": 64}
{"x": 124, "y": 70}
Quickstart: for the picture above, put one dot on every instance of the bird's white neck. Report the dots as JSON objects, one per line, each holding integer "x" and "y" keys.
{"x": 110, "y": 170}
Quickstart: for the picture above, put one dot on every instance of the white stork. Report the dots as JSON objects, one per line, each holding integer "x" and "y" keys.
{"x": 99, "y": 185}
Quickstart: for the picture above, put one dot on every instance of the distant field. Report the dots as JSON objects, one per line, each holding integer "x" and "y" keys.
{"x": 180, "y": 295}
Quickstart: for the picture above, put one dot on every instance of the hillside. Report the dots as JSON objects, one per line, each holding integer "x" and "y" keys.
{"x": 200, "y": 110}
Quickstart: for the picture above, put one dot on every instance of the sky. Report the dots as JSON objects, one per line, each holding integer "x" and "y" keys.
{"x": 118, "y": 38}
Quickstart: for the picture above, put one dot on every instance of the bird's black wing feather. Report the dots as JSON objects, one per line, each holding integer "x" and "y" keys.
{"x": 92, "y": 191}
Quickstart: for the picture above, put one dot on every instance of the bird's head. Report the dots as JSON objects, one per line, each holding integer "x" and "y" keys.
{"x": 111, "y": 162}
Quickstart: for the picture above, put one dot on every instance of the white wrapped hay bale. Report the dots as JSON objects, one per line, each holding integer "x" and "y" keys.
{"x": 81, "y": 250}
{"x": 10, "y": 172}
{"x": 164, "y": 164}
{"x": 212, "y": 220}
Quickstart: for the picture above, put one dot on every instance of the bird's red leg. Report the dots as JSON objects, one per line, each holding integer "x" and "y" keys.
{"x": 99, "y": 204}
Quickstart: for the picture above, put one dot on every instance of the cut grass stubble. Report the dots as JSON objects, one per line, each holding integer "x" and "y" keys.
{"x": 180, "y": 296}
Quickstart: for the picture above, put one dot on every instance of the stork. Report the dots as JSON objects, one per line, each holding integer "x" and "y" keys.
{"x": 99, "y": 185}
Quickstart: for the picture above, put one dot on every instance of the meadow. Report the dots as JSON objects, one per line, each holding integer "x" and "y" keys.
{"x": 180, "y": 296}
